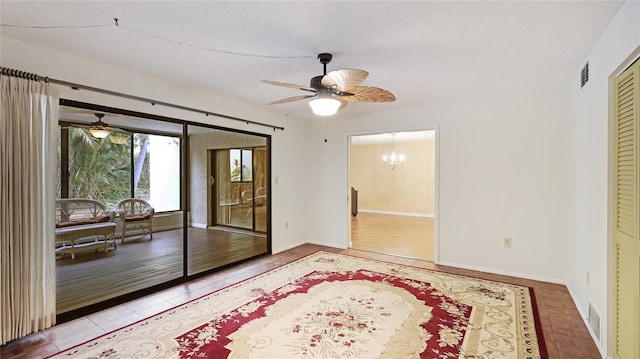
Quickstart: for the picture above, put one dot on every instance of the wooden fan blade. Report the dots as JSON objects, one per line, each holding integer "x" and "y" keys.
{"x": 344, "y": 80}
{"x": 343, "y": 103}
{"x": 291, "y": 99}
{"x": 369, "y": 94}
{"x": 293, "y": 86}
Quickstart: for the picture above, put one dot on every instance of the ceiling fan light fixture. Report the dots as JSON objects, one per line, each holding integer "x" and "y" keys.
{"x": 325, "y": 106}
{"x": 118, "y": 139}
{"x": 99, "y": 129}
{"x": 99, "y": 132}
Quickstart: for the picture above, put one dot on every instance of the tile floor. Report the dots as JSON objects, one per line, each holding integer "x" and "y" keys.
{"x": 565, "y": 333}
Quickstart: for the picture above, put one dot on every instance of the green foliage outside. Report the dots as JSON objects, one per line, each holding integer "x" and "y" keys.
{"x": 235, "y": 172}
{"x": 100, "y": 169}
{"x": 240, "y": 173}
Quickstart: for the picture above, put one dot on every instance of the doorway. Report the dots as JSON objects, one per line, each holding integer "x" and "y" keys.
{"x": 393, "y": 181}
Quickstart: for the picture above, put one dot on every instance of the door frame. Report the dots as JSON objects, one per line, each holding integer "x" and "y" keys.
{"x": 436, "y": 210}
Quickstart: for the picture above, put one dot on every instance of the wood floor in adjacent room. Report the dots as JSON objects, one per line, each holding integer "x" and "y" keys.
{"x": 565, "y": 333}
{"x": 94, "y": 276}
{"x": 390, "y": 234}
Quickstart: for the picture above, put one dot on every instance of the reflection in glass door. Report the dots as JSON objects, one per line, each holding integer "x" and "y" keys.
{"x": 241, "y": 185}
{"x": 261, "y": 189}
{"x": 225, "y": 170}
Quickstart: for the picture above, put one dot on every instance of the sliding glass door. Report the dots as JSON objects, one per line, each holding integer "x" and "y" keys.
{"x": 222, "y": 166}
{"x": 195, "y": 226}
{"x": 126, "y": 164}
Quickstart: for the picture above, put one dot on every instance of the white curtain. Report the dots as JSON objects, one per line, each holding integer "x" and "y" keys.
{"x": 28, "y": 121}
{"x": 223, "y": 183}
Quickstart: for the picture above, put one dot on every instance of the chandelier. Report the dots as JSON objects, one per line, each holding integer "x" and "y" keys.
{"x": 393, "y": 161}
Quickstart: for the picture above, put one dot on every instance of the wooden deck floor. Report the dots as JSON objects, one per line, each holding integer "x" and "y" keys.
{"x": 139, "y": 263}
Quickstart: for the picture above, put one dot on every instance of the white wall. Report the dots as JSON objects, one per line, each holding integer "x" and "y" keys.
{"x": 286, "y": 158}
{"x": 589, "y": 243}
{"x": 531, "y": 167}
{"x": 408, "y": 190}
{"x": 501, "y": 174}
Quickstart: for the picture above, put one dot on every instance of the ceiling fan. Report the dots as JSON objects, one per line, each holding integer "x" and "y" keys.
{"x": 100, "y": 130}
{"x": 332, "y": 91}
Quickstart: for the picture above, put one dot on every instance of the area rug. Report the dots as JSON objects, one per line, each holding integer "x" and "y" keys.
{"x": 329, "y": 305}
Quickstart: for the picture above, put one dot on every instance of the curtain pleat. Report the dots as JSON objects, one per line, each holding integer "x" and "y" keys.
{"x": 223, "y": 183}
{"x": 28, "y": 120}
{"x": 260, "y": 167}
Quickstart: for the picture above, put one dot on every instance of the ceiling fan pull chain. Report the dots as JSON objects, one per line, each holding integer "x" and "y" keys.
{"x": 324, "y": 128}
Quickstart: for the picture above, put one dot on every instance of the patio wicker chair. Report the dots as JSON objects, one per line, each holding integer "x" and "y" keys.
{"x": 135, "y": 213}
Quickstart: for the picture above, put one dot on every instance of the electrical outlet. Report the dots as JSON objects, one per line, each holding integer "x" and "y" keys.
{"x": 507, "y": 242}
{"x": 588, "y": 278}
{"x": 286, "y": 225}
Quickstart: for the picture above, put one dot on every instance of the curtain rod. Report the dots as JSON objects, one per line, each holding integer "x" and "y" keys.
{"x": 31, "y": 76}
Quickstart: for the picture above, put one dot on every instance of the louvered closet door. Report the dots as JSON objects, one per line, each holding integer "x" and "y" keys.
{"x": 626, "y": 216}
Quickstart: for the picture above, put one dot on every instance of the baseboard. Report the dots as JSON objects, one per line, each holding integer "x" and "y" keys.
{"x": 286, "y": 248}
{"x": 166, "y": 228}
{"x": 324, "y": 244}
{"x": 134, "y": 232}
{"x": 501, "y": 272}
{"x": 406, "y": 214}
{"x": 298, "y": 244}
{"x": 585, "y": 319}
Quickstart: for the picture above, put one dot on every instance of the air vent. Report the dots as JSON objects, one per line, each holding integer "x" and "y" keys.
{"x": 594, "y": 321}
{"x": 584, "y": 75}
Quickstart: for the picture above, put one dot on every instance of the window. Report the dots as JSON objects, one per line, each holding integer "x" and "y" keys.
{"x": 241, "y": 165}
{"x": 157, "y": 171}
{"x": 98, "y": 169}
{"x": 144, "y": 166}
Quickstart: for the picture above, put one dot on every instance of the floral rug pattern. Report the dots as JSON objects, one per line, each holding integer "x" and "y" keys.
{"x": 328, "y": 305}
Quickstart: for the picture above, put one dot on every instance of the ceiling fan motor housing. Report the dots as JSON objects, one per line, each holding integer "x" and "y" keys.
{"x": 325, "y": 58}
{"x": 316, "y": 82}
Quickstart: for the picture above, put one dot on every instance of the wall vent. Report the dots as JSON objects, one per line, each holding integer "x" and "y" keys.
{"x": 594, "y": 321}
{"x": 584, "y": 75}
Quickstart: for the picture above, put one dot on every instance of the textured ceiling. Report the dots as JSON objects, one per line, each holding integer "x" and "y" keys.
{"x": 423, "y": 52}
